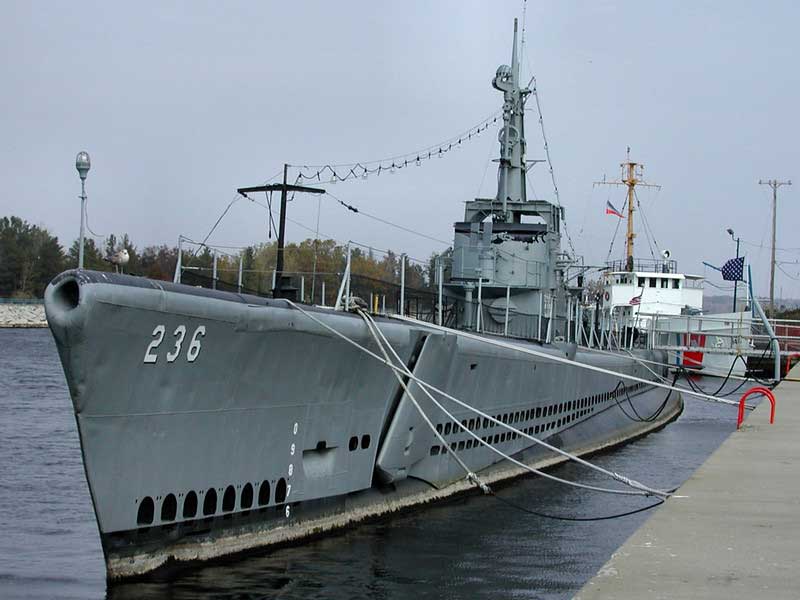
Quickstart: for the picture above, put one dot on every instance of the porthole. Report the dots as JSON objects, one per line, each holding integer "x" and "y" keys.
{"x": 447, "y": 429}
{"x": 280, "y": 491}
{"x": 210, "y": 502}
{"x": 169, "y": 508}
{"x": 229, "y": 499}
{"x": 190, "y": 505}
{"x": 353, "y": 443}
{"x": 485, "y": 423}
{"x": 263, "y": 493}
{"x": 365, "y": 440}
{"x": 439, "y": 428}
{"x": 144, "y": 515}
{"x": 246, "y": 498}
{"x": 435, "y": 450}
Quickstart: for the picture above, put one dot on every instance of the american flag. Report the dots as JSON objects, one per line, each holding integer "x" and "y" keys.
{"x": 636, "y": 300}
{"x": 610, "y": 210}
{"x": 733, "y": 270}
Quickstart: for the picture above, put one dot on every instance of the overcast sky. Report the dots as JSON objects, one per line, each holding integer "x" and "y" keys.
{"x": 180, "y": 103}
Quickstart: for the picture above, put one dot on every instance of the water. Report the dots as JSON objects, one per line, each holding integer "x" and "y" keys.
{"x": 475, "y": 547}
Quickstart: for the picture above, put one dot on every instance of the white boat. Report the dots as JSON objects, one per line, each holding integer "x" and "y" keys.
{"x": 650, "y": 299}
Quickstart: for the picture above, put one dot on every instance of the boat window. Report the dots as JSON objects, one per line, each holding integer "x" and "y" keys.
{"x": 664, "y": 283}
{"x": 676, "y": 284}
{"x": 641, "y": 281}
{"x": 652, "y": 282}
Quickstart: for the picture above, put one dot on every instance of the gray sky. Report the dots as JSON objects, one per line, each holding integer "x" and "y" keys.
{"x": 180, "y": 103}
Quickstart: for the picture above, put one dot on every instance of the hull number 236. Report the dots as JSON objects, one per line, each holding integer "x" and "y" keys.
{"x": 179, "y": 334}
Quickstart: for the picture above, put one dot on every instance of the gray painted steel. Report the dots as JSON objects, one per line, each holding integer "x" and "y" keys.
{"x": 149, "y": 430}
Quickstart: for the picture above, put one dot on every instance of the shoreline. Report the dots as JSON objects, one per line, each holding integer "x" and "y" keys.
{"x": 22, "y": 314}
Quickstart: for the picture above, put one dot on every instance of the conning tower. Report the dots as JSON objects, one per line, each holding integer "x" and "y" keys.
{"x": 506, "y": 251}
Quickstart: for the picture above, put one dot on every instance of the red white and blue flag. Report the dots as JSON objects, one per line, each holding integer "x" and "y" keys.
{"x": 733, "y": 270}
{"x": 610, "y": 210}
{"x": 636, "y": 300}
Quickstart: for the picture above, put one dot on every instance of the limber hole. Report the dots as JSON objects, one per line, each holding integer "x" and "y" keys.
{"x": 210, "y": 502}
{"x": 229, "y": 499}
{"x": 246, "y": 499}
{"x": 263, "y": 493}
{"x": 169, "y": 508}
{"x": 146, "y": 511}
{"x": 190, "y": 505}
{"x": 280, "y": 491}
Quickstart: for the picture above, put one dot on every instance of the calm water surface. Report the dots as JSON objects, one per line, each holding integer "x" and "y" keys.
{"x": 475, "y": 547}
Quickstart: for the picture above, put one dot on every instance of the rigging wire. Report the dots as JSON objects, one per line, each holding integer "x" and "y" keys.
{"x": 640, "y": 488}
{"x": 616, "y": 231}
{"x": 353, "y": 209}
{"x": 353, "y": 170}
{"x": 647, "y": 227}
{"x": 89, "y": 227}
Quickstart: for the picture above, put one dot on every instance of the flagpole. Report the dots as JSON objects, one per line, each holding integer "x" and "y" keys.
{"x": 736, "y": 283}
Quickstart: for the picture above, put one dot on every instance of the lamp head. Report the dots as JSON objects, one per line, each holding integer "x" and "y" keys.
{"x": 83, "y": 164}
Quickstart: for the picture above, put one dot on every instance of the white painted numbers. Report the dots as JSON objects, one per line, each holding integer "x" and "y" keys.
{"x": 158, "y": 333}
{"x": 179, "y": 334}
{"x": 194, "y": 347}
{"x": 290, "y": 470}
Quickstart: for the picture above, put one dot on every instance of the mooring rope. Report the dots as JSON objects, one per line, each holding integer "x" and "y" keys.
{"x": 473, "y": 477}
{"x": 470, "y": 475}
{"x": 642, "y": 489}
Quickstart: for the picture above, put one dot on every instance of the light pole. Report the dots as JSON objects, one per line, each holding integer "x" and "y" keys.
{"x": 83, "y": 164}
{"x": 735, "y": 283}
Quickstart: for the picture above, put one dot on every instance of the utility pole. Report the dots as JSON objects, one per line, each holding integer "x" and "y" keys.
{"x": 774, "y": 184}
{"x": 632, "y": 173}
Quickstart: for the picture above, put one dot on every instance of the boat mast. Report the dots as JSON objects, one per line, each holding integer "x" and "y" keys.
{"x": 630, "y": 180}
{"x": 631, "y": 177}
{"x": 511, "y": 175}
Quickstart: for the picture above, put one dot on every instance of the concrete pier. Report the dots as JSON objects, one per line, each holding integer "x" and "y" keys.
{"x": 22, "y": 314}
{"x": 736, "y": 533}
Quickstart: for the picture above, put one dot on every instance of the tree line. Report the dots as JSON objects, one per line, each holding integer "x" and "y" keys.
{"x": 30, "y": 257}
